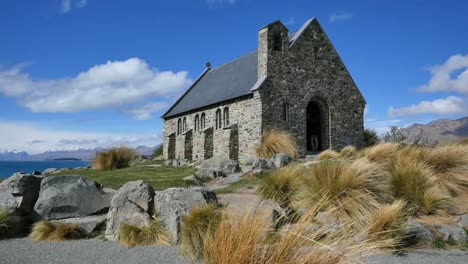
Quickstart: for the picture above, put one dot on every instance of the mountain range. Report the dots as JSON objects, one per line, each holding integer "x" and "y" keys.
{"x": 441, "y": 130}
{"x": 82, "y": 154}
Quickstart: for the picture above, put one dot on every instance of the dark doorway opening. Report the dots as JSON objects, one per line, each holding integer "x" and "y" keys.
{"x": 171, "y": 146}
{"x": 315, "y": 126}
{"x": 208, "y": 147}
{"x": 188, "y": 145}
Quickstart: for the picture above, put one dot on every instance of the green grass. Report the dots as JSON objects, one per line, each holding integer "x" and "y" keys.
{"x": 159, "y": 178}
{"x": 246, "y": 182}
{"x": 439, "y": 243}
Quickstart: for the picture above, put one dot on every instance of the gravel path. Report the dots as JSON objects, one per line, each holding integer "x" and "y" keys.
{"x": 423, "y": 257}
{"x": 22, "y": 250}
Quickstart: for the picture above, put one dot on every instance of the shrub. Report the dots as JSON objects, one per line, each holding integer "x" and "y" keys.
{"x": 328, "y": 155}
{"x": 280, "y": 185}
{"x": 370, "y": 137}
{"x": 414, "y": 182}
{"x": 154, "y": 234}
{"x": 4, "y": 222}
{"x": 395, "y": 135}
{"x": 348, "y": 152}
{"x": 274, "y": 142}
{"x": 158, "y": 151}
{"x": 115, "y": 158}
{"x": 47, "y": 231}
{"x": 197, "y": 226}
{"x": 388, "y": 222}
{"x": 381, "y": 153}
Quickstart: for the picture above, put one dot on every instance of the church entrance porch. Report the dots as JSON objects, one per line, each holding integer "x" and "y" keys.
{"x": 317, "y": 126}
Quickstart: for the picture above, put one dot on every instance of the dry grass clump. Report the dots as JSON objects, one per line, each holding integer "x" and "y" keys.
{"x": 200, "y": 224}
{"x": 274, "y": 142}
{"x": 328, "y": 155}
{"x": 348, "y": 152}
{"x": 281, "y": 185}
{"x": 4, "y": 221}
{"x": 154, "y": 234}
{"x": 47, "y": 231}
{"x": 115, "y": 158}
{"x": 388, "y": 222}
{"x": 415, "y": 183}
{"x": 381, "y": 152}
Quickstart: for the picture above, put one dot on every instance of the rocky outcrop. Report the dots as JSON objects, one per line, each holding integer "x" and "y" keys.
{"x": 216, "y": 167}
{"x": 140, "y": 159}
{"x": 173, "y": 203}
{"x": 89, "y": 225}
{"x": 261, "y": 165}
{"x": 25, "y": 188}
{"x": 7, "y": 200}
{"x": 416, "y": 232}
{"x": 281, "y": 159}
{"x": 132, "y": 204}
{"x": 70, "y": 196}
{"x": 455, "y": 232}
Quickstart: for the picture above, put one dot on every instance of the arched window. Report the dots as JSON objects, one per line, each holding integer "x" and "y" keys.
{"x": 226, "y": 116}
{"x": 184, "y": 125}
{"x": 197, "y": 123}
{"x": 179, "y": 126}
{"x": 202, "y": 121}
{"x": 285, "y": 111}
{"x": 218, "y": 119}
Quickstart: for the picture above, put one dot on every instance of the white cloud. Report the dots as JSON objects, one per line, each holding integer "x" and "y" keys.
{"x": 81, "y": 3}
{"x": 220, "y": 2}
{"x": 442, "y": 106}
{"x": 442, "y": 79}
{"x": 382, "y": 126}
{"x": 341, "y": 16}
{"x": 112, "y": 84}
{"x": 67, "y": 5}
{"x": 291, "y": 21}
{"x": 145, "y": 112}
{"x": 36, "y": 139}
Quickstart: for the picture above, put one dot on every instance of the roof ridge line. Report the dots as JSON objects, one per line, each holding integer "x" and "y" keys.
{"x": 243, "y": 55}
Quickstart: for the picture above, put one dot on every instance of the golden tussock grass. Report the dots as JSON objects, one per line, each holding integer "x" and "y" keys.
{"x": 281, "y": 185}
{"x": 328, "y": 155}
{"x": 115, "y": 158}
{"x": 199, "y": 225}
{"x": 388, "y": 222}
{"x": 4, "y": 221}
{"x": 154, "y": 234}
{"x": 381, "y": 152}
{"x": 348, "y": 152}
{"x": 47, "y": 231}
{"x": 274, "y": 142}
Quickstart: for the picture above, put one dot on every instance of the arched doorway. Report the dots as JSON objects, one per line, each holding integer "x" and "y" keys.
{"x": 317, "y": 126}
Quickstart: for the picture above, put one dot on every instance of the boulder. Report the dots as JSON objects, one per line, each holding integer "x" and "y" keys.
{"x": 173, "y": 203}
{"x": 281, "y": 160}
{"x": 192, "y": 180}
{"x": 175, "y": 163}
{"x": 168, "y": 163}
{"x": 70, "y": 196}
{"x": 132, "y": 204}
{"x": 273, "y": 212}
{"x": 140, "y": 159}
{"x": 184, "y": 163}
{"x": 417, "y": 232}
{"x": 25, "y": 187}
{"x": 261, "y": 165}
{"x": 88, "y": 224}
{"x": 463, "y": 222}
{"x": 454, "y": 231}
{"x": 216, "y": 167}
{"x": 36, "y": 173}
{"x": 7, "y": 200}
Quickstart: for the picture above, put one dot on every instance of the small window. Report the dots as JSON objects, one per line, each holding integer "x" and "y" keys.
{"x": 286, "y": 111}
{"x": 226, "y": 116}
{"x": 179, "y": 126}
{"x": 202, "y": 121}
{"x": 184, "y": 125}
{"x": 218, "y": 119}
{"x": 196, "y": 123}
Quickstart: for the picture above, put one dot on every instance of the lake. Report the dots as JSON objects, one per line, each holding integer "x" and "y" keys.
{"x": 7, "y": 168}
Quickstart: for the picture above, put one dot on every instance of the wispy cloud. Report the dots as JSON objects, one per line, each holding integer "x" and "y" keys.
{"x": 340, "y": 16}
{"x": 67, "y": 5}
{"x": 290, "y": 22}
{"x": 441, "y": 106}
{"x": 220, "y": 2}
{"x": 109, "y": 85}
{"x": 146, "y": 111}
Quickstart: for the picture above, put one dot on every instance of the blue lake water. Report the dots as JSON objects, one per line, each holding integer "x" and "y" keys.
{"x": 7, "y": 168}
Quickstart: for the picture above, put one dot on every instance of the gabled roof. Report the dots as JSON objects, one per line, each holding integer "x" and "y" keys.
{"x": 229, "y": 81}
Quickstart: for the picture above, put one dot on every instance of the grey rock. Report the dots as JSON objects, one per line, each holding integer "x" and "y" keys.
{"x": 36, "y": 173}
{"x": 417, "y": 232}
{"x": 232, "y": 178}
{"x": 272, "y": 211}
{"x": 26, "y": 188}
{"x": 175, "y": 163}
{"x": 69, "y": 196}
{"x": 173, "y": 203}
{"x": 184, "y": 163}
{"x": 168, "y": 163}
{"x": 132, "y": 204}
{"x": 88, "y": 224}
{"x": 249, "y": 161}
{"x": 7, "y": 200}
{"x": 216, "y": 167}
{"x": 140, "y": 159}
{"x": 261, "y": 165}
{"x": 454, "y": 231}
{"x": 192, "y": 180}
{"x": 463, "y": 222}
{"x": 281, "y": 160}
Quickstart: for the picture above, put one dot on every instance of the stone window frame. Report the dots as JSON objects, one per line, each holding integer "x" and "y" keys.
{"x": 196, "y": 122}
{"x": 202, "y": 121}
{"x": 226, "y": 116}
{"x": 184, "y": 125}
{"x": 286, "y": 113}
{"x": 218, "y": 120}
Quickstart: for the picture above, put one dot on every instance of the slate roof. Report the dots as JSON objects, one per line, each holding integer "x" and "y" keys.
{"x": 229, "y": 81}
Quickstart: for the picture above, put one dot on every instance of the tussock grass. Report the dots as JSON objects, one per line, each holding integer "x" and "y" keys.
{"x": 154, "y": 234}
{"x": 115, "y": 158}
{"x": 274, "y": 142}
{"x": 200, "y": 224}
{"x": 388, "y": 222}
{"x": 348, "y": 152}
{"x": 415, "y": 183}
{"x": 381, "y": 152}
{"x": 4, "y": 222}
{"x": 328, "y": 155}
{"x": 281, "y": 185}
{"x": 47, "y": 231}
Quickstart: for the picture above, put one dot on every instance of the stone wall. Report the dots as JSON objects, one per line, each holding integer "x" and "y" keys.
{"x": 244, "y": 116}
{"x": 311, "y": 70}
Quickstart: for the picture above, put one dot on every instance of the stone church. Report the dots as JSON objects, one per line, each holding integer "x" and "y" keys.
{"x": 293, "y": 81}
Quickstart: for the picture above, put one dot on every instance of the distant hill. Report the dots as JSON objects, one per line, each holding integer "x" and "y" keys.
{"x": 13, "y": 155}
{"x": 441, "y": 130}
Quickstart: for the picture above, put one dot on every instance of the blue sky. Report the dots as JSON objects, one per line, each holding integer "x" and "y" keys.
{"x": 82, "y": 73}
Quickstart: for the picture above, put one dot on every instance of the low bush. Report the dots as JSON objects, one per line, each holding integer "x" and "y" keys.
{"x": 328, "y": 155}
{"x": 154, "y": 234}
{"x": 158, "y": 151}
{"x": 199, "y": 225}
{"x": 274, "y": 142}
{"x": 115, "y": 158}
{"x": 382, "y": 153}
{"x": 389, "y": 222}
{"x": 47, "y": 231}
{"x": 4, "y": 222}
{"x": 370, "y": 138}
{"x": 281, "y": 185}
